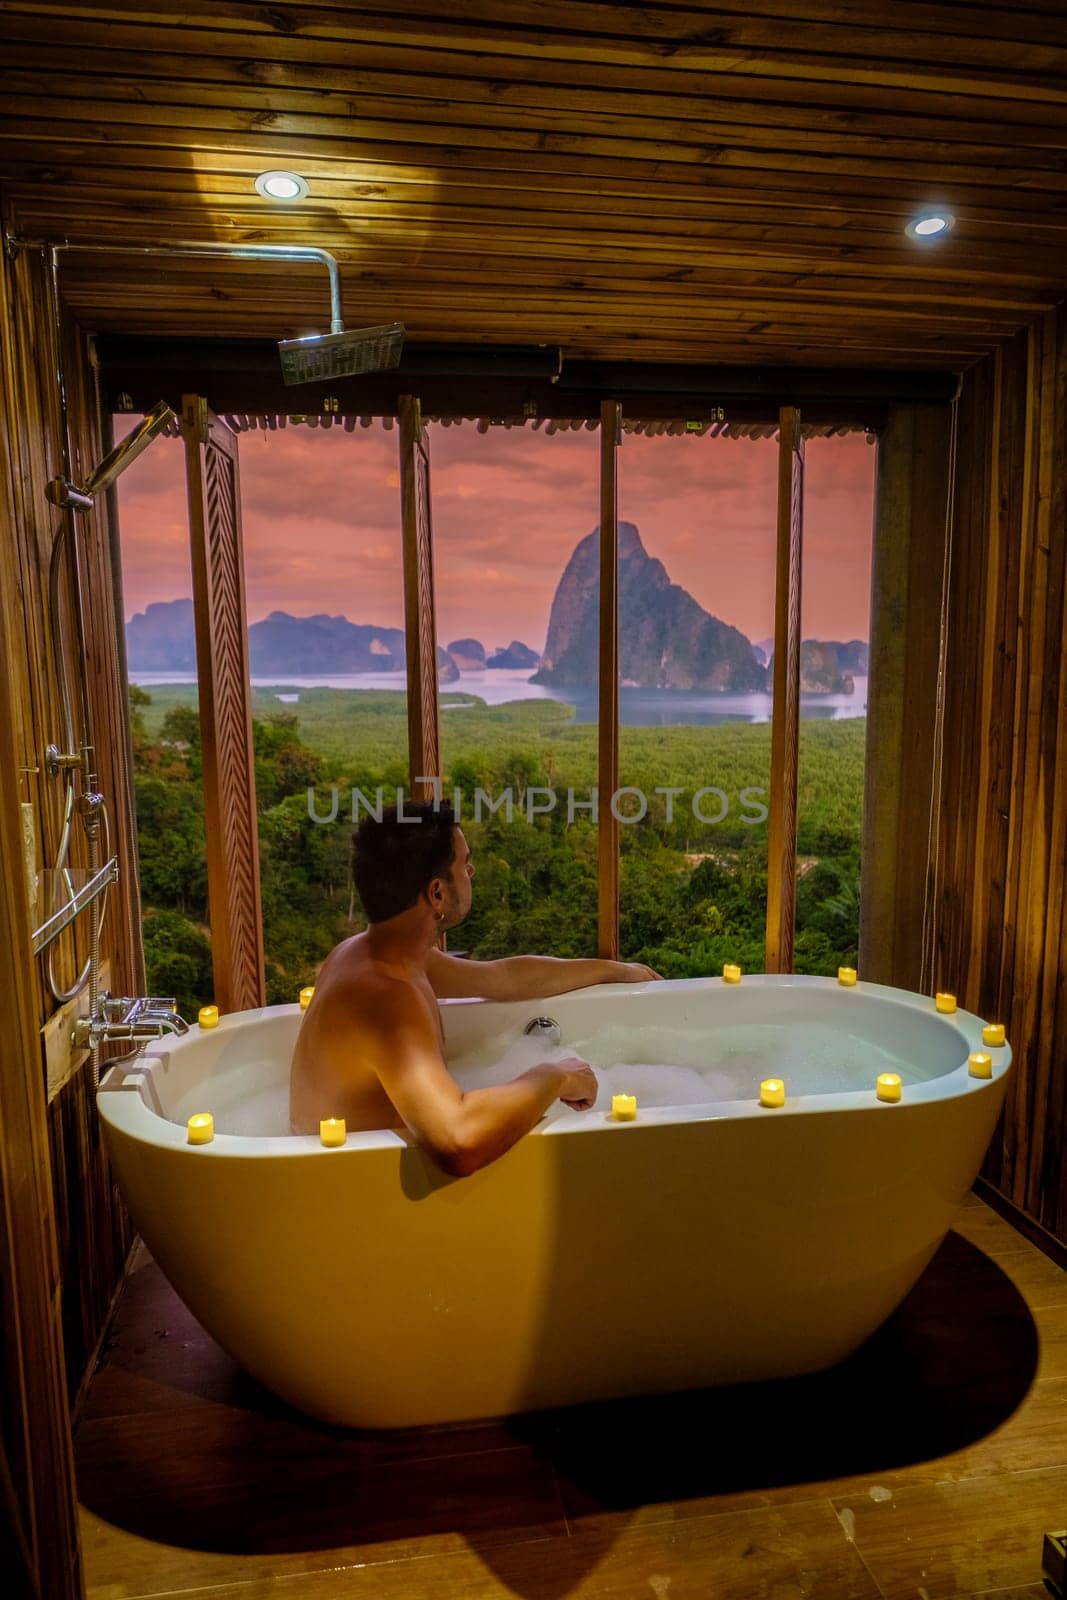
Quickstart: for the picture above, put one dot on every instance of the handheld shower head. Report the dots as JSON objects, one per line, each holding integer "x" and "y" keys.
{"x": 73, "y": 498}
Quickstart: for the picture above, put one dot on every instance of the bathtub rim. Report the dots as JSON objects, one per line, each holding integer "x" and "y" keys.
{"x": 122, "y": 1102}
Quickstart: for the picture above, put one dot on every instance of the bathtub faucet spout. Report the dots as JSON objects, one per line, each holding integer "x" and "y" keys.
{"x": 121, "y": 1017}
{"x": 545, "y": 1028}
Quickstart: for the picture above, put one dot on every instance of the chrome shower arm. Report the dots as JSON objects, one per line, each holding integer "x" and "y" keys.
{"x": 237, "y": 252}
{"x": 128, "y": 449}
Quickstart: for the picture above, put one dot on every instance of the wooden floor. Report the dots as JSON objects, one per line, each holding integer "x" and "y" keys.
{"x": 925, "y": 1468}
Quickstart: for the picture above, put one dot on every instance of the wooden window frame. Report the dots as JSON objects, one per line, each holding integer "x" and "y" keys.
{"x": 425, "y": 776}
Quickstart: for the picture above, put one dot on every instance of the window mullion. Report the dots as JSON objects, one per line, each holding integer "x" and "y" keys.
{"x": 608, "y": 686}
{"x": 420, "y": 629}
{"x": 785, "y": 723}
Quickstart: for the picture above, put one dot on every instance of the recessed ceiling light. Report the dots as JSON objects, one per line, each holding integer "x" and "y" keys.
{"x": 281, "y": 186}
{"x": 930, "y": 225}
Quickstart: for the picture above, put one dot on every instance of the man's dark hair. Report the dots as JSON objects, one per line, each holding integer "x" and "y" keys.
{"x": 393, "y": 860}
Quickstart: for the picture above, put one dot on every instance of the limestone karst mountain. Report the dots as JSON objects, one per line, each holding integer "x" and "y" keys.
{"x": 468, "y": 654}
{"x": 666, "y": 639}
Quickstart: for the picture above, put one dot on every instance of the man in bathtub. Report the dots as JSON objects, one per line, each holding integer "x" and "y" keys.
{"x": 371, "y": 1046}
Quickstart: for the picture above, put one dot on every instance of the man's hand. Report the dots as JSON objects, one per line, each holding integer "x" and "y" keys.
{"x": 630, "y": 972}
{"x": 579, "y": 1088}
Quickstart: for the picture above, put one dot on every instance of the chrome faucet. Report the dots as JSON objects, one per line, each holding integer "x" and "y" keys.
{"x": 122, "y": 1018}
{"x": 546, "y": 1028}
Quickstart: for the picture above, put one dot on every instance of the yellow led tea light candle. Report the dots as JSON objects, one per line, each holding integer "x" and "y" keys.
{"x": 332, "y": 1132}
{"x": 624, "y": 1107}
{"x": 731, "y": 973}
{"x": 887, "y": 1086}
{"x": 208, "y": 1016}
{"x": 945, "y": 1003}
{"x": 305, "y": 996}
{"x": 980, "y": 1064}
{"x": 772, "y": 1092}
{"x": 201, "y": 1128}
{"x": 993, "y": 1035}
{"x": 846, "y": 977}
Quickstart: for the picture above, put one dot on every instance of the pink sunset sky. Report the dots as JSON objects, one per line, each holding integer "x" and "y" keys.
{"x": 321, "y": 516}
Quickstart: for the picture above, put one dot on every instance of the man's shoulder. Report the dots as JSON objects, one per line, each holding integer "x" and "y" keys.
{"x": 377, "y": 993}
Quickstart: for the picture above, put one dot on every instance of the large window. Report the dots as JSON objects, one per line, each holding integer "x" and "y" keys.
{"x": 157, "y": 587}
{"x": 516, "y": 560}
{"x": 839, "y": 475}
{"x": 697, "y": 519}
{"x": 325, "y": 598}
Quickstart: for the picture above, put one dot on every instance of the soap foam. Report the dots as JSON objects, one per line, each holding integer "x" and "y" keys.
{"x": 687, "y": 1066}
{"x": 654, "y": 1083}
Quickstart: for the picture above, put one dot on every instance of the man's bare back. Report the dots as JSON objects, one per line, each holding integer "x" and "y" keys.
{"x": 333, "y": 1071}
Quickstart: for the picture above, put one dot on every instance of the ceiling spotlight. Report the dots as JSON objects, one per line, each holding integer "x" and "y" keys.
{"x": 281, "y": 186}
{"x": 930, "y": 225}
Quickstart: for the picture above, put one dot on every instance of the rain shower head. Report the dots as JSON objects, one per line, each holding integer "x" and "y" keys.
{"x": 75, "y": 498}
{"x": 341, "y": 355}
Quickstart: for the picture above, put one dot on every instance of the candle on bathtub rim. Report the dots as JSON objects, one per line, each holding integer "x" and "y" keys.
{"x": 208, "y": 1016}
{"x": 945, "y": 1003}
{"x": 980, "y": 1064}
{"x": 200, "y": 1129}
{"x": 846, "y": 977}
{"x": 305, "y": 996}
{"x": 332, "y": 1132}
{"x": 887, "y": 1086}
{"x": 993, "y": 1035}
{"x": 772, "y": 1092}
{"x": 731, "y": 973}
{"x": 624, "y": 1107}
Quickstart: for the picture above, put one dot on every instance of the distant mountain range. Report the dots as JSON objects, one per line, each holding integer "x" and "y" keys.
{"x": 162, "y": 638}
{"x": 666, "y": 639}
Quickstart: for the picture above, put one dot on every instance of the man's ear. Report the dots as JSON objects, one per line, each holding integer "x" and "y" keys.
{"x": 435, "y": 894}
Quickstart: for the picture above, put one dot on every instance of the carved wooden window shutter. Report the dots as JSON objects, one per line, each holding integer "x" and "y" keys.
{"x": 225, "y": 708}
{"x": 785, "y": 729}
{"x": 420, "y": 629}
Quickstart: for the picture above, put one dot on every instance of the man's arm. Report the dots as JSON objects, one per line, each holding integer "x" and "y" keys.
{"x": 525, "y": 977}
{"x": 461, "y": 1131}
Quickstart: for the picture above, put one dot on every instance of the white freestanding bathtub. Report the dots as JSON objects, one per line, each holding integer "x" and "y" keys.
{"x": 712, "y": 1240}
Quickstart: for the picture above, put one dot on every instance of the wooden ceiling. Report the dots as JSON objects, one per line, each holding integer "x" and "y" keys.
{"x": 645, "y": 182}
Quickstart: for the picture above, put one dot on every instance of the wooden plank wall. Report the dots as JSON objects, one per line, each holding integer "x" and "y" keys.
{"x": 38, "y": 1517}
{"x": 912, "y": 505}
{"x": 75, "y": 1224}
{"x": 999, "y": 934}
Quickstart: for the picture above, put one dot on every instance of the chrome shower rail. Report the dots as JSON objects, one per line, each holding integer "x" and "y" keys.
{"x": 54, "y": 925}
